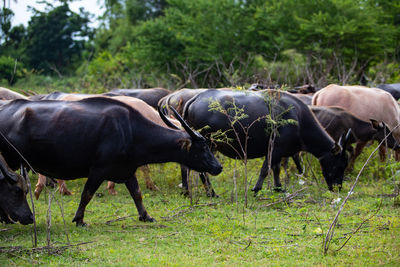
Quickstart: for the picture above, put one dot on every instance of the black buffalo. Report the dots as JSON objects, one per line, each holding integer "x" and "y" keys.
{"x": 97, "y": 138}
{"x": 298, "y": 131}
{"x": 13, "y": 190}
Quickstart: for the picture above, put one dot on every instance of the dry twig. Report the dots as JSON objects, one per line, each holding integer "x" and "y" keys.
{"x": 285, "y": 199}
{"x": 331, "y": 231}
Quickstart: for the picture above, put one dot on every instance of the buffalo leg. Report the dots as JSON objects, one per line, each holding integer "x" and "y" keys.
{"x": 263, "y": 174}
{"x": 39, "y": 186}
{"x": 185, "y": 174}
{"x": 91, "y": 186}
{"x": 111, "y": 188}
{"x": 382, "y": 153}
{"x": 359, "y": 148}
{"x": 149, "y": 182}
{"x": 204, "y": 179}
{"x": 276, "y": 169}
{"x": 134, "y": 190}
{"x": 42, "y": 181}
{"x": 63, "y": 188}
{"x": 397, "y": 154}
{"x": 296, "y": 159}
{"x": 207, "y": 185}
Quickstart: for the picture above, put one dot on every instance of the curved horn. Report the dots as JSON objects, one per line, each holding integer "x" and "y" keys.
{"x": 166, "y": 120}
{"x": 192, "y": 133}
{"x": 5, "y": 172}
{"x": 345, "y": 140}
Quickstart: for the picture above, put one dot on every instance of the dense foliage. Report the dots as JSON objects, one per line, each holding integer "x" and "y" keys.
{"x": 207, "y": 43}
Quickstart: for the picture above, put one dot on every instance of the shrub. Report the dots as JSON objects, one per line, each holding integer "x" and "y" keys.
{"x": 10, "y": 70}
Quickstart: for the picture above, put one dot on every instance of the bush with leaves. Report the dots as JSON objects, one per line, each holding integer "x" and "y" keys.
{"x": 10, "y": 70}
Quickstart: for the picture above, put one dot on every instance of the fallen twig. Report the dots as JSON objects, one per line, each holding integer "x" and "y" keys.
{"x": 145, "y": 226}
{"x": 331, "y": 231}
{"x": 359, "y": 227}
{"x": 118, "y": 219}
{"x": 285, "y": 199}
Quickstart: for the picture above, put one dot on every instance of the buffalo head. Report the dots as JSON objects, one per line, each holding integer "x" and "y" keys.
{"x": 333, "y": 164}
{"x": 13, "y": 190}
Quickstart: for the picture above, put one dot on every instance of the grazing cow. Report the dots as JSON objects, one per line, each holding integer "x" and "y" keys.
{"x": 135, "y": 103}
{"x": 299, "y": 130}
{"x": 7, "y": 94}
{"x": 391, "y": 88}
{"x": 98, "y": 138}
{"x": 151, "y": 96}
{"x": 336, "y": 120}
{"x": 13, "y": 190}
{"x": 365, "y": 103}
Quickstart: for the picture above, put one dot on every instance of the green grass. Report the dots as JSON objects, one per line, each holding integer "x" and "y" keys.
{"x": 220, "y": 232}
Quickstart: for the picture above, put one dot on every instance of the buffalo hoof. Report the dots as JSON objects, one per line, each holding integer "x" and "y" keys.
{"x": 65, "y": 192}
{"x": 79, "y": 222}
{"x": 146, "y": 218}
{"x": 212, "y": 194}
{"x": 112, "y": 192}
{"x": 279, "y": 189}
{"x": 151, "y": 186}
{"x": 185, "y": 193}
{"x": 38, "y": 190}
{"x": 255, "y": 190}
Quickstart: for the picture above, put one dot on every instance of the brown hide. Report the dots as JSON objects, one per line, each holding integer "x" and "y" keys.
{"x": 7, "y": 94}
{"x": 364, "y": 102}
{"x": 141, "y": 106}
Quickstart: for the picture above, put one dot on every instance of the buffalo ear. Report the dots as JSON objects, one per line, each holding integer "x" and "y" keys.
{"x": 377, "y": 125}
{"x": 185, "y": 144}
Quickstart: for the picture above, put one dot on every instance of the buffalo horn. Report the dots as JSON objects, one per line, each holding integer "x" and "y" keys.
{"x": 192, "y": 133}
{"x": 166, "y": 120}
{"x": 4, "y": 172}
{"x": 346, "y": 141}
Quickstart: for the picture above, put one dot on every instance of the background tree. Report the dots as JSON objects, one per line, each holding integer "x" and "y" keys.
{"x": 56, "y": 38}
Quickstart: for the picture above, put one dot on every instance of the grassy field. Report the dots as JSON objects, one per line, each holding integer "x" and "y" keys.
{"x": 282, "y": 229}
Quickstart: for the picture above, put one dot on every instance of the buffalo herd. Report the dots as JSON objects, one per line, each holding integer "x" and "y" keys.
{"x": 109, "y": 136}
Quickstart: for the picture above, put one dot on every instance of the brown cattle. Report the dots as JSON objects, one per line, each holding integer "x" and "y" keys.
{"x": 365, "y": 103}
